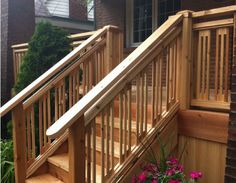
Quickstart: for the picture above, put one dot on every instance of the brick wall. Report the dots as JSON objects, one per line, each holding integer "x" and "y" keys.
{"x": 197, "y": 5}
{"x": 17, "y": 19}
{"x": 4, "y": 30}
{"x": 77, "y": 9}
{"x": 110, "y": 12}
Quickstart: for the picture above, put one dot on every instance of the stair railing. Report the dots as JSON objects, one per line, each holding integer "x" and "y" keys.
{"x": 46, "y": 99}
{"x": 144, "y": 89}
{"x": 212, "y": 57}
{"x": 19, "y": 50}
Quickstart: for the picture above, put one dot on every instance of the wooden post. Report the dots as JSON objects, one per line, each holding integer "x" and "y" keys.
{"x": 76, "y": 142}
{"x": 19, "y": 141}
{"x": 186, "y": 61}
{"x": 109, "y": 51}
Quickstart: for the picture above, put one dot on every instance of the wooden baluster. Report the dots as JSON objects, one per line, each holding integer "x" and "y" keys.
{"x": 44, "y": 119}
{"x": 56, "y": 103}
{"x": 137, "y": 108}
{"x": 167, "y": 79}
{"x": 112, "y": 134}
{"x": 145, "y": 100}
{"x": 63, "y": 96}
{"x": 125, "y": 121}
{"x": 78, "y": 84}
{"x": 102, "y": 148}
{"x": 175, "y": 70}
{"x": 107, "y": 140}
{"x": 89, "y": 153}
{"x": 170, "y": 63}
{"x": 19, "y": 142}
{"x": 121, "y": 125}
{"x": 33, "y": 132}
{"x": 226, "y": 65}
{"x": 59, "y": 100}
{"x": 70, "y": 90}
{"x": 141, "y": 103}
{"x": 207, "y": 93}
{"x": 129, "y": 117}
{"x": 153, "y": 91}
{"x": 76, "y": 141}
{"x": 74, "y": 87}
{"x": 199, "y": 71}
{"x": 84, "y": 78}
{"x": 49, "y": 111}
{"x": 94, "y": 150}
{"x": 158, "y": 73}
{"x": 160, "y": 88}
{"x": 28, "y": 134}
{"x": 40, "y": 125}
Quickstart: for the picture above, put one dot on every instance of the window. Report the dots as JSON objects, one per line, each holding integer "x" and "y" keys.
{"x": 144, "y": 16}
{"x": 167, "y": 8}
{"x": 142, "y": 20}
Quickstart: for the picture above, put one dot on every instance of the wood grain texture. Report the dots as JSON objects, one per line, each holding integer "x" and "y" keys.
{"x": 205, "y": 156}
{"x": 210, "y": 126}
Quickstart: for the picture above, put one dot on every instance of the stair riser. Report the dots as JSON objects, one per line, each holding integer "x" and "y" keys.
{"x": 58, "y": 172}
{"x": 116, "y": 134}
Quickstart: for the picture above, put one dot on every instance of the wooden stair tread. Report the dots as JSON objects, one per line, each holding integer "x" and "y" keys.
{"x": 60, "y": 160}
{"x": 43, "y": 179}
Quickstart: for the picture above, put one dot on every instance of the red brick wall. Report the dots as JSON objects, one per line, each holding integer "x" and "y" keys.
{"x": 110, "y": 12}
{"x": 78, "y": 9}
{"x": 18, "y": 24}
{"x": 197, "y": 5}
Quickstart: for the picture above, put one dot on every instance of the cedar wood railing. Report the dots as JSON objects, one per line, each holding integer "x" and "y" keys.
{"x": 144, "y": 106}
{"x": 148, "y": 87}
{"x": 19, "y": 50}
{"x": 45, "y": 100}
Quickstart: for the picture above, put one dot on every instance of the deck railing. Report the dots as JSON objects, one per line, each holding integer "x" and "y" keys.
{"x": 19, "y": 50}
{"x": 212, "y": 58}
{"x": 45, "y": 100}
{"x": 144, "y": 100}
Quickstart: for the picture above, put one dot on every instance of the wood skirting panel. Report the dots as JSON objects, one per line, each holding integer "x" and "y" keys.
{"x": 205, "y": 156}
{"x": 212, "y": 126}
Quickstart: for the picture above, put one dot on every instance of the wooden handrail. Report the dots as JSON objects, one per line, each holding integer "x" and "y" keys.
{"x": 114, "y": 78}
{"x": 215, "y": 12}
{"x": 51, "y": 72}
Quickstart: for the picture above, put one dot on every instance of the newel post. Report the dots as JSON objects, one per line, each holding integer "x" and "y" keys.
{"x": 186, "y": 61}
{"x": 76, "y": 142}
{"x": 114, "y": 46}
{"x": 19, "y": 142}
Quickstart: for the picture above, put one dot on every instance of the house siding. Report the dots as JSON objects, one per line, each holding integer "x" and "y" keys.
{"x": 58, "y": 7}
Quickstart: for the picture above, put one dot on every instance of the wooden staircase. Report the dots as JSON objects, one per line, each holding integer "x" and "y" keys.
{"x": 96, "y": 112}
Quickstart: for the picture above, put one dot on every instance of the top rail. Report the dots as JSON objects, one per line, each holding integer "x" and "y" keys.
{"x": 51, "y": 72}
{"x": 114, "y": 78}
{"x": 215, "y": 12}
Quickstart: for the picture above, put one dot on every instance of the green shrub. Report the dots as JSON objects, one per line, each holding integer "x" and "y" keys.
{"x": 7, "y": 165}
{"x": 48, "y": 45}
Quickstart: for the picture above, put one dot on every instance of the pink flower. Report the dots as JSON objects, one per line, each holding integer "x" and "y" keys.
{"x": 154, "y": 181}
{"x": 180, "y": 168}
{"x": 142, "y": 177}
{"x": 195, "y": 175}
{"x": 170, "y": 172}
{"x": 174, "y": 181}
{"x": 172, "y": 161}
